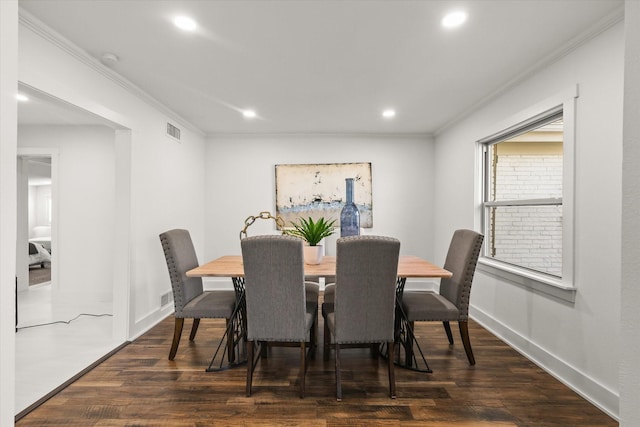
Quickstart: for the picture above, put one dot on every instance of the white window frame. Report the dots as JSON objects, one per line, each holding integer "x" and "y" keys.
{"x": 564, "y": 287}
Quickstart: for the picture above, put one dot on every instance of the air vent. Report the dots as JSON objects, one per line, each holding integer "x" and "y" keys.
{"x": 173, "y": 131}
{"x": 166, "y": 298}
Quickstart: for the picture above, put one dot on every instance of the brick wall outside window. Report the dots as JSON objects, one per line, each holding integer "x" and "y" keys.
{"x": 529, "y": 236}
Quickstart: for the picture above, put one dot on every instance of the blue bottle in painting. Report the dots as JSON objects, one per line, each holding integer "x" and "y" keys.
{"x": 350, "y": 215}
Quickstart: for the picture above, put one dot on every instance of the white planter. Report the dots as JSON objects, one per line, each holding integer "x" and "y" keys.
{"x": 313, "y": 254}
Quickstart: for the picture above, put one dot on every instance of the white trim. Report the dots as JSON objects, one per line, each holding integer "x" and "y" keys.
{"x": 54, "y": 154}
{"x": 217, "y": 283}
{"x": 580, "y": 382}
{"x": 564, "y": 288}
{"x": 520, "y": 127}
{"x": 568, "y": 190}
{"x": 123, "y": 293}
{"x": 521, "y": 118}
{"x": 262, "y": 135}
{"x": 538, "y": 282}
{"x": 8, "y": 200}
{"x": 151, "y": 320}
{"x": 555, "y": 201}
{"x": 422, "y": 285}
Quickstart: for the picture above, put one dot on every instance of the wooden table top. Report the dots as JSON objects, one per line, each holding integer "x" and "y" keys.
{"x": 231, "y": 266}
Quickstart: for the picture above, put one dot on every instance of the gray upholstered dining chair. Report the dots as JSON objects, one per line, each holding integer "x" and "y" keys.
{"x": 189, "y": 298}
{"x": 364, "y": 302}
{"x": 281, "y": 309}
{"x": 452, "y": 302}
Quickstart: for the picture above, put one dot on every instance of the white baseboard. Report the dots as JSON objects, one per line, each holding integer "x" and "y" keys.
{"x": 422, "y": 285}
{"x": 217, "y": 284}
{"x": 147, "y": 322}
{"x": 596, "y": 393}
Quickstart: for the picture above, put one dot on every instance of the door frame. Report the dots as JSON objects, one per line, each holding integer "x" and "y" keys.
{"x": 121, "y": 287}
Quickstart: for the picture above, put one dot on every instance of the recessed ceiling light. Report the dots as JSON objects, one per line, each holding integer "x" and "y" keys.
{"x": 388, "y": 114}
{"x": 21, "y": 97}
{"x": 185, "y": 23}
{"x": 454, "y": 19}
{"x": 249, "y": 114}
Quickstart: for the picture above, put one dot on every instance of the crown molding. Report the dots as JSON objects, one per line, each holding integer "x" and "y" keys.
{"x": 32, "y": 23}
{"x": 369, "y": 135}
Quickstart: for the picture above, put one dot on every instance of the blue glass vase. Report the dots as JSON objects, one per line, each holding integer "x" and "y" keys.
{"x": 350, "y": 215}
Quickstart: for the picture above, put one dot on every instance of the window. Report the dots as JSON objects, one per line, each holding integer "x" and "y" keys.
{"x": 523, "y": 197}
{"x": 526, "y": 198}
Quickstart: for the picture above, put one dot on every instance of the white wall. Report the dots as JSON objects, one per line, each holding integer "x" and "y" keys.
{"x": 39, "y": 199}
{"x": 8, "y": 182}
{"x": 240, "y": 182}
{"x": 22, "y": 232}
{"x": 85, "y": 206}
{"x": 630, "y": 318}
{"x": 166, "y": 178}
{"x": 577, "y": 342}
{"x": 410, "y": 178}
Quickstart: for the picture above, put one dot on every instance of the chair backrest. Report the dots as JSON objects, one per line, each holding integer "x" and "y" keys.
{"x": 366, "y": 273}
{"x": 181, "y": 257}
{"x": 461, "y": 260}
{"x": 274, "y": 288}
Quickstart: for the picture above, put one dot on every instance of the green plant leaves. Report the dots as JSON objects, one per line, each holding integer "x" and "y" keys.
{"x": 312, "y": 232}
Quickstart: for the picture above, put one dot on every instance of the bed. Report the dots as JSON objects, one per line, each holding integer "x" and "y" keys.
{"x": 43, "y": 241}
{"x": 41, "y": 234}
{"x": 38, "y": 255}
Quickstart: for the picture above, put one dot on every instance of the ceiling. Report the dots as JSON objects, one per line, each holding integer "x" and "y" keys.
{"x": 313, "y": 66}
{"x": 43, "y": 109}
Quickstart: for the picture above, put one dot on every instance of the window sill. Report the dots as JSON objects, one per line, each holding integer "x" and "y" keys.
{"x": 539, "y": 283}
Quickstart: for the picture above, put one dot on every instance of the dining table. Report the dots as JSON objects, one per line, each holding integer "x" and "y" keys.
{"x": 231, "y": 266}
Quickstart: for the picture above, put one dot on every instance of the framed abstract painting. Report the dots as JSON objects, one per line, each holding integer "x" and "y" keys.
{"x": 319, "y": 190}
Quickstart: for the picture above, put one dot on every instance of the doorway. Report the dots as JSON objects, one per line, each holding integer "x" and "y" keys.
{"x": 36, "y": 221}
{"x": 80, "y": 315}
{"x": 39, "y": 217}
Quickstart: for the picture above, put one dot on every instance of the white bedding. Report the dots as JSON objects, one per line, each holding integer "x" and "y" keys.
{"x": 41, "y": 257}
{"x": 44, "y": 241}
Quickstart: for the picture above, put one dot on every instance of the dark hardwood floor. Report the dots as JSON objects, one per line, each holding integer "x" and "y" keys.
{"x": 139, "y": 386}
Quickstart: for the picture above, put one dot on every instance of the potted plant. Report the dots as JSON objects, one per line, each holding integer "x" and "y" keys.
{"x": 312, "y": 232}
